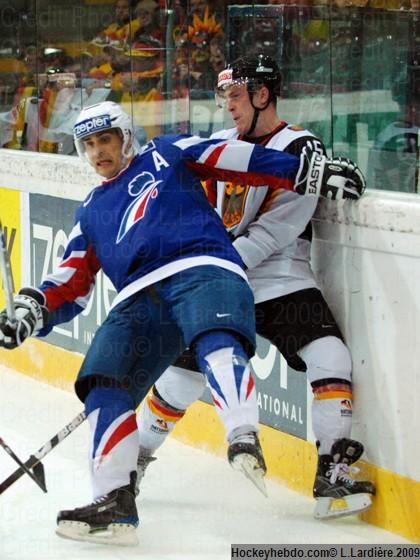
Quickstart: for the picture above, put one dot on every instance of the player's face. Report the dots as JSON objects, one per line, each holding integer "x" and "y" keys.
{"x": 240, "y": 107}
{"x": 104, "y": 151}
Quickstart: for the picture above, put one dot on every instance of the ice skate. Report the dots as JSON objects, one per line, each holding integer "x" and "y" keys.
{"x": 245, "y": 454}
{"x": 143, "y": 461}
{"x": 111, "y": 519}
{"x": 337, "y": 494}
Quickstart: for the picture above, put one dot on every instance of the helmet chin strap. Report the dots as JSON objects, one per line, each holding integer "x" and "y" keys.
{"x": 254, "y": 121}
{"x": 257, "y": 111}
{"x": 127, "y": 153}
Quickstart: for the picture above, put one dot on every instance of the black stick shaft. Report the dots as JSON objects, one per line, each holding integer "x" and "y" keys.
{"x": 6, "y": 270}
{"x": 44, "y": 450}
{"x": 25, "y": 469}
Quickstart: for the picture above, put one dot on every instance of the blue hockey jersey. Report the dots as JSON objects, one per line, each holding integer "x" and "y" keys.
{"x": 153, "y": 219}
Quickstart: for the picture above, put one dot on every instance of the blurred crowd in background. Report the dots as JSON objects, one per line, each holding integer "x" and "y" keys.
{"x": 350, "y": 70}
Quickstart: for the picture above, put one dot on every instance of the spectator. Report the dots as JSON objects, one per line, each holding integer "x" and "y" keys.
{"x": 193, "y": 41}
{"x": 137, "y": 87}
{"x": 148, "y": 20}
{"x": 142, "y": 68}
{"x": 118, "y": 30}
{"x": 54, "y": 57}
{"x": 31, "y": 66}
{"x": 198, "y": 7}
{"x": 217, "y": 57}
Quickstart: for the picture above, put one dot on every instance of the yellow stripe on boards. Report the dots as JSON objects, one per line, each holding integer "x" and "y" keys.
{"x": 292, "y": 461}
{"x": 45, "y": 362}
{"x": 396, "y": 506}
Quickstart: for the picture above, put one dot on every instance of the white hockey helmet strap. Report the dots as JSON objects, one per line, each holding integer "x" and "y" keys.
{"x": 100, "y": 117}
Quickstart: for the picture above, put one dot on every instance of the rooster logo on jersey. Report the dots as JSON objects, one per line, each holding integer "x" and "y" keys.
{"x": 143, "y": 188}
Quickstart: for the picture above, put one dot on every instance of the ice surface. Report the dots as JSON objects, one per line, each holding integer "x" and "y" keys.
{"x": 192, "y": 504}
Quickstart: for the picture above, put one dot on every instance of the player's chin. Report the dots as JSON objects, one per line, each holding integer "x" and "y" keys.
{"x": 240, "y": 127}
{"x": 105, "y": 169}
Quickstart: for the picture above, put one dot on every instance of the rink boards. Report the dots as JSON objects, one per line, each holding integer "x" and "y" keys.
{"x": 367, "y": 259}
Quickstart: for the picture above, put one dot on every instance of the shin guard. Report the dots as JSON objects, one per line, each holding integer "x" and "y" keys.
{"x": 114, "y": 438}
{"x": 223, "y": 359}
{"x": 156, "y": 420}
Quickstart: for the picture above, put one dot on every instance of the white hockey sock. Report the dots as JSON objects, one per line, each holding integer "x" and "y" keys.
{"x": 233, "y": 391}
{"x": 331, "y": 420}
{"x": 173, "y": 392}
{"x": 155, "y": 421}
{"x": 328, "y": 363}
{"x": 113, "y": 455}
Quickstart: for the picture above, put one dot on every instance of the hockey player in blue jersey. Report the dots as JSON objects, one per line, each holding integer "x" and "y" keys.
{"x": 151, "y": 229}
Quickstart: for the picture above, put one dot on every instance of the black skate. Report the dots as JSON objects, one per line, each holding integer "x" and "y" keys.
{"x": 338, "y": 494}
{"x": 111, "y": 519}
{"x": 245, "y": 454}
{"x": 143, "y": 461}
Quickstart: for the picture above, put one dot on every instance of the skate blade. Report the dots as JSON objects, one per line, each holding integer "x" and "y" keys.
{"x": 248, "y": 464}
{"x": 333, "y": 508}
{"x": 122, "y": 534}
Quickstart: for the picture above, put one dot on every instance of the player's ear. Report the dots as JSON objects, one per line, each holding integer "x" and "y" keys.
{"x": 263, "y": 96}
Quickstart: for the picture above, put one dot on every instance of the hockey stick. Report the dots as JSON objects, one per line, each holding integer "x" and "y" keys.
{"x": 35, "y": 460}
{"x": 7, "y": 277}
{"x": 37, "y": 476}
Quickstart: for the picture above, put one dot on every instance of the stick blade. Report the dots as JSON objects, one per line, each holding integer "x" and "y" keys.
{"x": 39, "y": 473}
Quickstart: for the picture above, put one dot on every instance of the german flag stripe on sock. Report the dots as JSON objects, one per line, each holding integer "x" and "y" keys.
{"x": 165, "y": 412}
{"x": 333, "y": 391}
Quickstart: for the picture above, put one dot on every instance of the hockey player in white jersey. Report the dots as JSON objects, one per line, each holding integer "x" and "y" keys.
{"x": 272, "y": 233}
{"x": 149, "y": 226}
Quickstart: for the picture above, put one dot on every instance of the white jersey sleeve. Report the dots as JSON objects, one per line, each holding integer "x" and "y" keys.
{"x": 272, "y": 229}
{"x": 275, "y": 228}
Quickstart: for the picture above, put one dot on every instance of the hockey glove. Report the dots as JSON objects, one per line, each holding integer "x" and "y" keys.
{"x": 334, "y": 178}
{"x": 31, "y": 317}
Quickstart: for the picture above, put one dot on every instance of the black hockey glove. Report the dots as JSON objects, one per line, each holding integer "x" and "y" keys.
{"x": 334, "y": 178}
{"x": 31, "y": 317}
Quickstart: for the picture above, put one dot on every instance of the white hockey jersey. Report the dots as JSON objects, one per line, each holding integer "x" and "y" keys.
{"x": 272, "y": 230}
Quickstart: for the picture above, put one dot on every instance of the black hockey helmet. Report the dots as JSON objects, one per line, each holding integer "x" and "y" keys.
{"x": 254, "y": 72}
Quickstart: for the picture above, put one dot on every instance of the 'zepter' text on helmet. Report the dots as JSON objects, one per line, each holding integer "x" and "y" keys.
{"x": 100, "y": 117}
